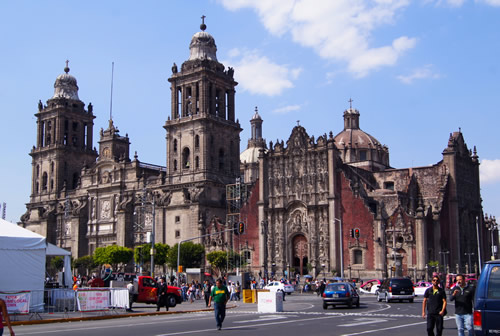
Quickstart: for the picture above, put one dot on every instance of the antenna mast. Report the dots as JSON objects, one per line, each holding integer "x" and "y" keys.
{"x": 111, "y": 100}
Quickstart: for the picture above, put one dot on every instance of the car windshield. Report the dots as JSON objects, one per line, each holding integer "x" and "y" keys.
{"x": 336, "y": 287}
{"x": 401, "y": 283}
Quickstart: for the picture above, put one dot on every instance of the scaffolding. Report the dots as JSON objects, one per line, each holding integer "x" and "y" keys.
{"x": 236, "y": 196}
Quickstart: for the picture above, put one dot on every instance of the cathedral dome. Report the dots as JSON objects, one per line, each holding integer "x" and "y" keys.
{"x": 250, "y": 155}
{"x": 356, "y": 137}
{"x": 358, "y": 147}
{"x": 66, "y": 86}
{"x": 202, "y": 46}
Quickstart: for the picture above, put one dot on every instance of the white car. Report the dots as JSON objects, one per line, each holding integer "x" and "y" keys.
{"x": 275, "y": 286}
{"x": 371, "y": 290}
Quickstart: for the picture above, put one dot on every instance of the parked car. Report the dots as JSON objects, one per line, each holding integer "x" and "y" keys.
{"x": 396, "y": 289}
{"x": 487, "y": 300}
{"x": 275, "y": 286}
{"x": 340, "y": 293}
{"x": 420, "y": 288}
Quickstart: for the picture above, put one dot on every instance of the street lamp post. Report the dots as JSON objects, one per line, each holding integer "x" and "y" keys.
{"x": 341, "y": 248}
{"x": 470, "y": 261}
{"x": 444, "y": 254}
{"x": 491, "y": 224}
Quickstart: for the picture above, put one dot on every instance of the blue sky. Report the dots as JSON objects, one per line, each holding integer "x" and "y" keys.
{"x": 416, "y": 70}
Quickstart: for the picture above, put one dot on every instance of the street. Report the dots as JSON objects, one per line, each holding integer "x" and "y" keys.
{"x": 303, "y": 315}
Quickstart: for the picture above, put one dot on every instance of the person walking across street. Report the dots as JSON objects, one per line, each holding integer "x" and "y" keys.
{"x": 206, "y": 292}
{"x": 463, "y": 295}
{"x": 131, "y": 290}
{"x": 220, "y": 296}
{"x": 4, "y": 316}
{"x": 162, "y": 295}
{"x": 435, "y": 302}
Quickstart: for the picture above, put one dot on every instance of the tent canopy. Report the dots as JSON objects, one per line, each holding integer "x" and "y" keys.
{"x": 23, "y": 254}
{"x": 13, "y": 237}
{"x": 53, "y": 250}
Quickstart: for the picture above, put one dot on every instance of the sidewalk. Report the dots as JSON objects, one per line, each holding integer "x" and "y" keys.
{"x": 139, "y": 309}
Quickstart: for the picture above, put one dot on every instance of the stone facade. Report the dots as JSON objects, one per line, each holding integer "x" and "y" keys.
{"x": 306, "y": 195}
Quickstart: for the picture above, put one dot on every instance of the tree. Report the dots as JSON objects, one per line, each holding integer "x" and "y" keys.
{"x": 85, "y": 262}
{"x": 113, "y": 254}
{"x": 218, "y": 261}
{"x": 191, "y": 255}
{"x": 57, "y": 263}
{"x": 142, "y": 254}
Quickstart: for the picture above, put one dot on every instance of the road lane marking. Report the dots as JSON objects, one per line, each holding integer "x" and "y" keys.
{"x": 267, "y": 318}
{"x": 389, "y": 328}
{"x": 362, "y": 321}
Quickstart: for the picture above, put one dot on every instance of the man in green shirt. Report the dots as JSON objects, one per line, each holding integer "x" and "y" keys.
{"x": 220, "y": 296}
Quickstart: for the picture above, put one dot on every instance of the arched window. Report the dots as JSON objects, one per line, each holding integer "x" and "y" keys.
{"x": 196, "y": 141}
{"x": 52, "y": 167}
{"x": 197, "y": 162}
{"x": 175, "y": 145}
{"x": 185, "y": 158}
{"x": 51, "y": 184}
{"x": 175, "y": 165}
{"x": 37, "y": 171}
{"x": 44, "y": 181}
{"x": 358, "y": 256}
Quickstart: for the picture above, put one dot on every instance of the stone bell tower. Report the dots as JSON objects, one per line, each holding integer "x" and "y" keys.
{"x": 63, "y": 147}
{"x": 202, "y": 133}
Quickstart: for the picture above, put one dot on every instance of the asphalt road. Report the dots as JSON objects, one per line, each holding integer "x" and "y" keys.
{"x": 303, "y": 315}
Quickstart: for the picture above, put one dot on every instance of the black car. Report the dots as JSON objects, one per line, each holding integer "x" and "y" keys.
{"x": 396, "y": 289}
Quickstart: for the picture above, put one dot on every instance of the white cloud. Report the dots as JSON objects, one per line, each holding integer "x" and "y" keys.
{"x": 338, "y": 30}
{"x": 489, "y": 171}
{"x": 420, "y": 73}
{"x": 495, "y": 3}
{"x": 286, "y": 109}
{"x": 259, "y": 75}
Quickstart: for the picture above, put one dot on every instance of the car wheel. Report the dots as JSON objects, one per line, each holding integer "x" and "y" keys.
{"x": 357, "y": 304}
{"x": 387, "y": 298}
{"x": 349, "y": 304}
{"x": 325, "y": 306}
{"x": 171, "y": 301}
{"x": 411, "y": 300}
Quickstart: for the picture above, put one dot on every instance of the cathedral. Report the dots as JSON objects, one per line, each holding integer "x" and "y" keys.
{"x": 326, "y": 205}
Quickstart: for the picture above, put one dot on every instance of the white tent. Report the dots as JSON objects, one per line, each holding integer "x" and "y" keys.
{"x": 53, "y": 250}
{"x": 22, "y": 253}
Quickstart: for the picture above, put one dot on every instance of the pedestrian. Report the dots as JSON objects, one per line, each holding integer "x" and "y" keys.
{"x": 232, "y": 291}
{"x": 220, "y": 296}
{"x": 463, "y": 295}
{"x": 4, "y": 316}
{"x": 206, "y": 292}
{"x": 435, "y": 302}
{"x": 192, "y": 293}
{"x": 238, "y": 290}
{"x": 131, "y": 292}
{"x": 162, "y": 295}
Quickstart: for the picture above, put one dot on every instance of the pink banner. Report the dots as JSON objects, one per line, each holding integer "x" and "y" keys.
{"x": 91, "y": 300}
{"x": 18, "y": 302}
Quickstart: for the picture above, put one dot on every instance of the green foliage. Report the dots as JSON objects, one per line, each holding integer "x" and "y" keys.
{"x": 85, "y": 262}
{"x": 191, "y": 255}
{"x": 142, "y": 254}
{"x": 113, "y": 255}
{"x": 433, "y": 263}
{"x": 218, "y": 261}
{"x": 57, "y": 263}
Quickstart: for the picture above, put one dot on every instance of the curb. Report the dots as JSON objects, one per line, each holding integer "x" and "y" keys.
{"x": 108, "y": 317}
